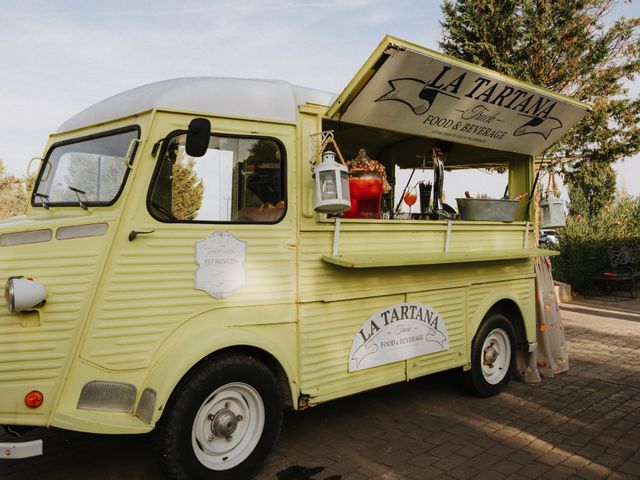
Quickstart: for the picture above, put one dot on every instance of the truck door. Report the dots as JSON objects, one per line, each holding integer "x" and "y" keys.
{"x": 200, "y": 235}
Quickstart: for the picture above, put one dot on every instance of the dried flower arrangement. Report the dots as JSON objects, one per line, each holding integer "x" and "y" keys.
{"x": 363, "y": 164}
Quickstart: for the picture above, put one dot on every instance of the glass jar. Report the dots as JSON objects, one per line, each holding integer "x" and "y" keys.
{"x": 366, "y": 194}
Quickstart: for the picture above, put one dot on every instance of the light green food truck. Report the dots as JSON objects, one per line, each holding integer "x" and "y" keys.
{"x": 193, "y": 259}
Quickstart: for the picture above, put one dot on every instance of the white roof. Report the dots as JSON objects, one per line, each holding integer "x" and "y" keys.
{"x": 237, "y": 97}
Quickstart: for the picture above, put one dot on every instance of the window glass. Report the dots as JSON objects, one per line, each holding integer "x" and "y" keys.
{"x": 93, "y": 170}
{"x": 236, "y": 180}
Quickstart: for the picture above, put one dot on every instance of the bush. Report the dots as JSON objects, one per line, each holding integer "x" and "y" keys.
{"x": 13, "y": 193}
{"x": 585, "y": 242}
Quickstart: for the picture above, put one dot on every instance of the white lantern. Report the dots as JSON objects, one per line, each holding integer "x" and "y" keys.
{"x": 332, "y": 185}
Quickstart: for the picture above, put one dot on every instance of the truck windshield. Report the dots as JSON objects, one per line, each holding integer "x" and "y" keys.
{"x": 93, "y": 166}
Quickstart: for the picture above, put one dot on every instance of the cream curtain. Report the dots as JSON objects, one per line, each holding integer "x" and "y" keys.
{"x": 551, "y": 356}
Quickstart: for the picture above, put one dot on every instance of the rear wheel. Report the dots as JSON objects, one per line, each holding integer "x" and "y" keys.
{"x": 492, "y": 356}
{"x": 221, "y": 421}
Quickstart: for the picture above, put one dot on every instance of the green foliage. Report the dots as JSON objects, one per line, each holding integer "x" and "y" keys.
{"x": 592, "y": 185}
{"x": 570, "y": 47}
{"x": 485, "y": 33}
{"x": 585, "y": 242}
{"x": 13, "y": 193}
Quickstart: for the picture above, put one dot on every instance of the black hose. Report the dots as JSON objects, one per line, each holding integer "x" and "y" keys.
{"x": 533, "y": 188}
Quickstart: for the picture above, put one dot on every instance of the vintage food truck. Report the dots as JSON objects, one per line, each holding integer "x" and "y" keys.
{"x": 183, "y": 265}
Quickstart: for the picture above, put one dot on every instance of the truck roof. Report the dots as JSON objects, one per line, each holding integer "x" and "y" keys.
{"x": 237, "y": 97}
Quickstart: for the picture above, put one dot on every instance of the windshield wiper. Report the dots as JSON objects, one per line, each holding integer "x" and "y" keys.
{"x": 44, "y": 199}
{"x": 78, "y": 192}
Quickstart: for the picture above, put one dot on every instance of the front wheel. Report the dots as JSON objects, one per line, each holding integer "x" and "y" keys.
{"x": 492, "y": 356}
{"x": 221, "y": 421}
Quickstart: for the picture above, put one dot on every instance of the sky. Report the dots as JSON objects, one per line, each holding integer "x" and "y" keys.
{"x": 58, "y": 57}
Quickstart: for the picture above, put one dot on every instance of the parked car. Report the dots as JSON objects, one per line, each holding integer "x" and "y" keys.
{"x": 548, "y": 237}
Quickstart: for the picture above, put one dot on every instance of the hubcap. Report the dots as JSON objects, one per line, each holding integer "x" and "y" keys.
{"x": 496, "y": 356}
{"x": 228, "y": 426}
{"x": 224, "y": 423}
{"x": 490, "y": 355}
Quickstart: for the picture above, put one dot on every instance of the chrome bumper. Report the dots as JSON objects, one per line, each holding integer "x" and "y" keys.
{"x": 13, "y": 450}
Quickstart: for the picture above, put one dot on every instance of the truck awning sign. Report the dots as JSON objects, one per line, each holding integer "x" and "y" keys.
{"x": 413, "y": 90}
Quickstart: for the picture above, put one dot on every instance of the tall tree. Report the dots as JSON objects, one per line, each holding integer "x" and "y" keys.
{"x": 570, "y": 47}
{"x": 591, "y": 187}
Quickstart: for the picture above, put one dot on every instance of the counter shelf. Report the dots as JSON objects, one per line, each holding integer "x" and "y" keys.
{"x": 379, "y": 260}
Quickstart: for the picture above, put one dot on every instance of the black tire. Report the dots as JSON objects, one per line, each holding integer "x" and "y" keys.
{"x": 215, "y": 392}
{"x": 490, "y": 372}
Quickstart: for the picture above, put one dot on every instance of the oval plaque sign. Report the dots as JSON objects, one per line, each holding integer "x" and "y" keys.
{"x": 398, "y": 332}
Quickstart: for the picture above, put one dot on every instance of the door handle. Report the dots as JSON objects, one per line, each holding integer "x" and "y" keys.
{"x": 134, "y": 233}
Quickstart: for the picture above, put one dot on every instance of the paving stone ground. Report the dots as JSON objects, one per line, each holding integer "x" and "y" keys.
{"x": 584, "y": 424}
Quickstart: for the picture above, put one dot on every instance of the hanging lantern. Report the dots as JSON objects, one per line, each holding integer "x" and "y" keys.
{"x": 332, "y": 185}
{"x": 551, "y": 207}
{"x": 552, "y": 212}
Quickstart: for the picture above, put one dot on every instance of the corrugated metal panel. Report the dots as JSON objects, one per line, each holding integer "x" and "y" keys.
{"x": 151, "y": 289}
{"x": 450, "y": 304}
{"x": 34, "y": 355}
{"x": 476, "y": 241}
{"x": 336, "y": 301}
{"x": 327, "y": 331}
{"x": 317, "y": 278}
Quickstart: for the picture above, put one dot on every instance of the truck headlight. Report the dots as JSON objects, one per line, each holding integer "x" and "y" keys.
{"x": 23, "y": 294}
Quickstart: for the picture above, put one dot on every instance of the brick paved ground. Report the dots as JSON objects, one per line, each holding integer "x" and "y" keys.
{"x": 583, "y": 424}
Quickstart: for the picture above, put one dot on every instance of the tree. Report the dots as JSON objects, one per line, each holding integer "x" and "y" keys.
{"x": 566, "y": 46}
{"x": 592, "y": 185}
{"x": 13, "y": 193}
{"x": 186, "y": 189}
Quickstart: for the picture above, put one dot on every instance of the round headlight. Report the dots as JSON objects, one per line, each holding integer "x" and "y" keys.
{"x": 23, "y": 294}
{"x": 9, "y": 295}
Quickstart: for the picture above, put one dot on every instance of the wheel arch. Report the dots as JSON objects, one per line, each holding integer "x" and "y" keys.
{"x": 510, "y": 309}
{"x": 176, "y": 362}
{"x": 263, "y": 356}
{"x": 509, "y": 306}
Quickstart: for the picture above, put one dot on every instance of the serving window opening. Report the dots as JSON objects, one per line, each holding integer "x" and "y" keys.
{"x": 396, "y": 176}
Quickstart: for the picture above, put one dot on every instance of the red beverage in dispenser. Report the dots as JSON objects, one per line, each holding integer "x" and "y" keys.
{"x": 366, "y": 193}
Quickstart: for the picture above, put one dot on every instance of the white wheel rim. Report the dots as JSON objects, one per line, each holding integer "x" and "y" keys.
{"x": 496, "y": 356}
{"x": 236, "y": 408}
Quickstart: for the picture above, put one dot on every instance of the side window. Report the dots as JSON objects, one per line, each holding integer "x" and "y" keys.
{"x": 238, "y": 180}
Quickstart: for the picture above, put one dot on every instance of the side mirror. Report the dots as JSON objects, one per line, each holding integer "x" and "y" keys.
{"x": 198, "y": 137}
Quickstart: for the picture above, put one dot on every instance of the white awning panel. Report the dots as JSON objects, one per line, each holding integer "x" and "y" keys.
{"x": 413, "y": 90}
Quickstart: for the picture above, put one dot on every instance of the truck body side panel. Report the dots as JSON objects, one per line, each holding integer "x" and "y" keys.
{"x": 336, "y": 301}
